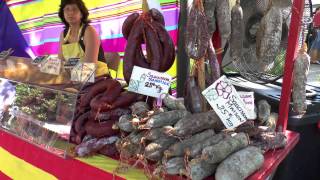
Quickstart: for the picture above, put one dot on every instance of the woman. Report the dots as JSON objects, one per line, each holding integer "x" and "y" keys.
{"x": 79, "y": 39}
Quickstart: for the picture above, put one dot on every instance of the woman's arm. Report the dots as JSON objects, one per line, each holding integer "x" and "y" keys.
{"x": 92, "y": 44}
{"x": 60, "y": 53}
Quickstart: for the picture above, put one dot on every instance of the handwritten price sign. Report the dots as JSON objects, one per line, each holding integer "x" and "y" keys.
{"x": 83, "y": 72}
{"x": 226, "y": 102}
{"x": 51, "y": 66}
{"x": 248, "y": 99}
{"x": 149, "y": 82}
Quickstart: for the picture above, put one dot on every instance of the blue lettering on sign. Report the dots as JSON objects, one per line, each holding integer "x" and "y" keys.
{"x": 158, "y": 79}
{"x": 225, "y": 112}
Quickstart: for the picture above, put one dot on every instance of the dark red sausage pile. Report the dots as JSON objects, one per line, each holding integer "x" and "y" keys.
{"x": 99, "y": 106}
{"x": 148, "y": 28}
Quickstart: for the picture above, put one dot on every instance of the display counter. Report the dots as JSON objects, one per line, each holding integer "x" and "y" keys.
{"x": 22, "y": 160}
{"x": 39, "y": 101}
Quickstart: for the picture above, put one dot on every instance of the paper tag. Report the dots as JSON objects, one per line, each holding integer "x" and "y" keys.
{"x": 149, "y": 82}
{"x": 39, "y": 59}
{"x": 71, "y": 63}
{"x": 5, "y": 54}
{"x": 226, "y": 102}
{"x": 83, "y": 72}
{"x": 154, "y": 4}
{"x": 51, "y": 66}
{"x": 248, "y": 99}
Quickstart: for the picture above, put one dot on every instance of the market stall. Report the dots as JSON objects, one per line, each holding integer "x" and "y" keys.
{"x": 143, "y": 131}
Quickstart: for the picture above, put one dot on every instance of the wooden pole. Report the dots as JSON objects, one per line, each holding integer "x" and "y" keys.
{"x": 183, "y": 62}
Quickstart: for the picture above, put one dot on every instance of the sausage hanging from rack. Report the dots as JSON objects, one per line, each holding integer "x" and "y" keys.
{"x": 269, "y": 37}
{"x": 209, "y": 10}
{"x": 128, "y": 23}
{"x": 197, "y": 36}
{"x": 148, "y": 28}
{"x": 223, "y": 17}
{"x": 237, "y": 29}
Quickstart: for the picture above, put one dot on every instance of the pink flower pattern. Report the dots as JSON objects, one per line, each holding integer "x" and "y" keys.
{"x": 223, "y": 89}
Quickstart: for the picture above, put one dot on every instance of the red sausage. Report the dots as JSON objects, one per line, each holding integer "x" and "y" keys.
{"x": 81, "y": 120}
{"x": 124, "y": 100}
{"x": 128, "y": 23}
{"x": 100, "y": 129}
{"x": 134, "y": 41}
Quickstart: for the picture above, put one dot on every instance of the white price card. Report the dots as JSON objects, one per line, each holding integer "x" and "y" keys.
{"x": 226, "y": 102}
{"x": 149, "y": 82}
{"x": 71, "y": 63}
{"x": 83, "y": 72}
{"x": 248, "y": 99}
{"x": 5, "y": 54}
{"x": 51, "y": 66}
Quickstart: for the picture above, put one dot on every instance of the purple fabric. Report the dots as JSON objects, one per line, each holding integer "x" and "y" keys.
{"x": 10, "y": 34}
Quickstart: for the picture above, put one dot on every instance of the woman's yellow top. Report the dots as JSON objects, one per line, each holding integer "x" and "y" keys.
{"x": 74, "y": 50}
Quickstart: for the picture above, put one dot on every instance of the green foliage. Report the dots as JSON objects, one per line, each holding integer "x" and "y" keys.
{"x": 279, "y": 64}
{"x": 40, "y": 103}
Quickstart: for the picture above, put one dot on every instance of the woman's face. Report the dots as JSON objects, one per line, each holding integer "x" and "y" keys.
{"x": 72, "y": 14}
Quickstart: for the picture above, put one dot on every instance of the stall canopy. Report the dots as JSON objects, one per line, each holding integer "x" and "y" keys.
{"x": 41, "y": 26}
{"x": 10, "y": 34}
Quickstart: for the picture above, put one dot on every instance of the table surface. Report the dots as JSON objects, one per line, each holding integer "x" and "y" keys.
{"x": 100, "y": 167}
{"x": 21, "y": 70}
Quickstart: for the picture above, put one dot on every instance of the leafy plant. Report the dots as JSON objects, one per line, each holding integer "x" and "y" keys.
{"x": 40, "y": 103}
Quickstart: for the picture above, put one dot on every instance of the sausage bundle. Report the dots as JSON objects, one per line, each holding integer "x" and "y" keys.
{"x": 147, "y": 28}
{"x": 99, "y": 106}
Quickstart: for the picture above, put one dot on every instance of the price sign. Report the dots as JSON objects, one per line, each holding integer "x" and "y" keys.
{"x": 71, "y": 62}
{"x": 226, "y": 102}
{"x": 248, "y": 99}
{"x": 51, "y": 66}
{"x": 5, "y": 54}
{"x": 149, "y": 82}
{"x": 39, "y": 59}
{"x": 83, "y": 72}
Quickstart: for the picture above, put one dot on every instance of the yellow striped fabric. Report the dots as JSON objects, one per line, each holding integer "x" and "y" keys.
{"x": 109, "y": 165}
{"x": 17, "y": 168}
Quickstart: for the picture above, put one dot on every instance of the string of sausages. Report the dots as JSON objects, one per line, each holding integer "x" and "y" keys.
{"x": 147, "y": 28}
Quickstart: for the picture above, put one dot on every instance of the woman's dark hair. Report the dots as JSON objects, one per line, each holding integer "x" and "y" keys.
{"x": 81, "y": 6}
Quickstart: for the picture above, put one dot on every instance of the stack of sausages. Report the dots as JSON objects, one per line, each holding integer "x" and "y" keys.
{"x": 100, "y": 106}
{"x": 147, "y": 28}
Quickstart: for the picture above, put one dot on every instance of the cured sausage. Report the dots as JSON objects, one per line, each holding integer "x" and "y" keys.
{"x": 100, "y": 129}
{"x": 269, "y": 37}
{"x": 196, "y": 38}
{"x": 237, "y": 29}
{"x": 214, "y": 65}
{"x": 209, "y": 10}
{"x": 81, "y": 120}
{"x": 124, "y": 100}
{"x": 103, "y": 99}
{"x": 157, "y": 16}
{"x": 106, "y": 85}
{"x": 167, "y": 46}
{"x": 154, "y": 48}
{"x": 134, "y": 41}
{"x": 140, "y": 59}
{"x": 128, "y": 23}
{"x": 224, "y": 20}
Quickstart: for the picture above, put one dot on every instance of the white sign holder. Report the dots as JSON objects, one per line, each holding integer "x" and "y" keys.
{"x": 226, "y": 102}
